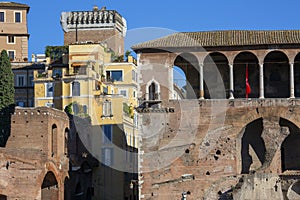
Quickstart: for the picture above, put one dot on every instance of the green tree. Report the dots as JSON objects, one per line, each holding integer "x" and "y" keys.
{"x": 7, "y": 91}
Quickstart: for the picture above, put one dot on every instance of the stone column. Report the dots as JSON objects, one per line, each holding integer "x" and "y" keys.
{"x": 231, "y": 79}
{"x": 292, "y": 82}
{"x": 261, "y": 81}
{"x": 201, "y": 81}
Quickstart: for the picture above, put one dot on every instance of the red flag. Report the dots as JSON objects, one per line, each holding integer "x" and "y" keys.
{"x": 248, "y": 88}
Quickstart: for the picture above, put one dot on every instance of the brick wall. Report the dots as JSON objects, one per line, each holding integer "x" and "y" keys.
{"x": 197, "y": 149}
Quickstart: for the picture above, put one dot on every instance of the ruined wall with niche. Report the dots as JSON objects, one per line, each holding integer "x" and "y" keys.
{"x": 29, "y": 157}
{"x": 214, "y": 149}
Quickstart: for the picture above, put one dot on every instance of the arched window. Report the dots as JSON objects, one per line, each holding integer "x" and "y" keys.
{"x": 66, "y": 141}
{"x": 276, "y": 75}
{"x": 49, "y": 187}
{"x": 216, "y": 76}
{"x": 54, "y": 140}
{"x": 253, "y": 147}
{"x": 290, "y": 155}
{"x": 189, "y": 75}
{"x": 153, "y": 90}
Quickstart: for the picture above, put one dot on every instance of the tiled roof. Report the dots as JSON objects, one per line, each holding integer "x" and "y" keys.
{"x": 223, "y": 38}
{"x": 13, "y": 4}
{"x": 27, "y": 65}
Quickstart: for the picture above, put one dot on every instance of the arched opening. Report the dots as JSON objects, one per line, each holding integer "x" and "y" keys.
{"x": 188, "y": 63}
{"x": 216, "y": 76}
{"x": 297, "y": 75}
{"x": 246, "y": 61}
{"x": 153, "y": 94}
{"x": 276, "y": 75}
{"x": 50, "y": 187}
{"x": 54, "y": 140}
{"x": 66, "y": 141}
{"x": 179, "y": 83}
{"x": 290, "y": 155}
{"x": 3, "y": 197}
{"x": 253, "y": 147}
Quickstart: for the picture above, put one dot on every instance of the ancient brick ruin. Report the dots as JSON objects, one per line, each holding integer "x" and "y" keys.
{"x": 209, "y": 141}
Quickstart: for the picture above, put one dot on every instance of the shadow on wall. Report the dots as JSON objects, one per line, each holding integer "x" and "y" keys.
{"x": 5, "y": 123}
{"x": 253, "y": 146}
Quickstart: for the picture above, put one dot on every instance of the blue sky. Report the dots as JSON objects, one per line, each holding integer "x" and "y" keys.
{"x": 167, "y": 15}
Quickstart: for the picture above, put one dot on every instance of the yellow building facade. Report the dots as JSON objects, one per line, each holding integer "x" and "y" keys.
{"x": 89, "y": 85}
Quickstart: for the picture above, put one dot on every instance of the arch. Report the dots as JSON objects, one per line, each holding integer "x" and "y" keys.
{"x": 216, "y": 76}
{"x": 179, "y": 83}
{"x": 54, "y": 133}
{"x": 3, "y": 197}
{"x": 188, "y": 63}
{"x": 297, "y": 75}
{"x": 276, "y": 75}
{"x": 49, "y": 187}
{"x": 66, "y": 142}
{"x": 153, "y": 90}
{"x": 253, "y": 147}
{"x": 243, "y": 61}
{"x": 290, "y": 155}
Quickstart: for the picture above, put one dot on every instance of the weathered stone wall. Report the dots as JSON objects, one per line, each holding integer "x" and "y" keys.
{"x": 112, "y": 37}
{"x": 198, "y": 149}
{"x": 28, "y": 156}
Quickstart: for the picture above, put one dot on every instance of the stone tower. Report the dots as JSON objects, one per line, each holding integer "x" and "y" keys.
{"x": 96, "y": 26}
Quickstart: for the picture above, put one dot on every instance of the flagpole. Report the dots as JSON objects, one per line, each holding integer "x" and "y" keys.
{"x": 248, "y": 88}
{"x": 246, "y": 80}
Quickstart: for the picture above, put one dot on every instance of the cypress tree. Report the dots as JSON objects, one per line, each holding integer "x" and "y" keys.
{"x": 7, "y": 91}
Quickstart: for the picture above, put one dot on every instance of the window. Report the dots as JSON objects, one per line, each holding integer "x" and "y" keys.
{"x": 50, "y": 105}
{"x": 114, "y": 75}
{"x": 107, "y": 134}
{"x": 21, "y": 104}
{"x": 21, "y": 80}
{"x": 107, "y": 109}
{"x": 11, "y": 54}
{"x": 31, "y": 103}
{"x": 75, "y": 89}
{"x": 11, "y": 39}
{"x": 2, "y": 16}
{"x": 17, "y": 17}
{"x": 49, "y": 89}
{"x": 105, "y": 90}
{"x": 133, "y": 75}
{"x": 75, "y": 108}
{"x": 123, "y": 92}
{"x": 57, "y": 73}
{"x": 107, "y": 156}
{"x": 31, "y": 83}
{"x": 85, "y": 109}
